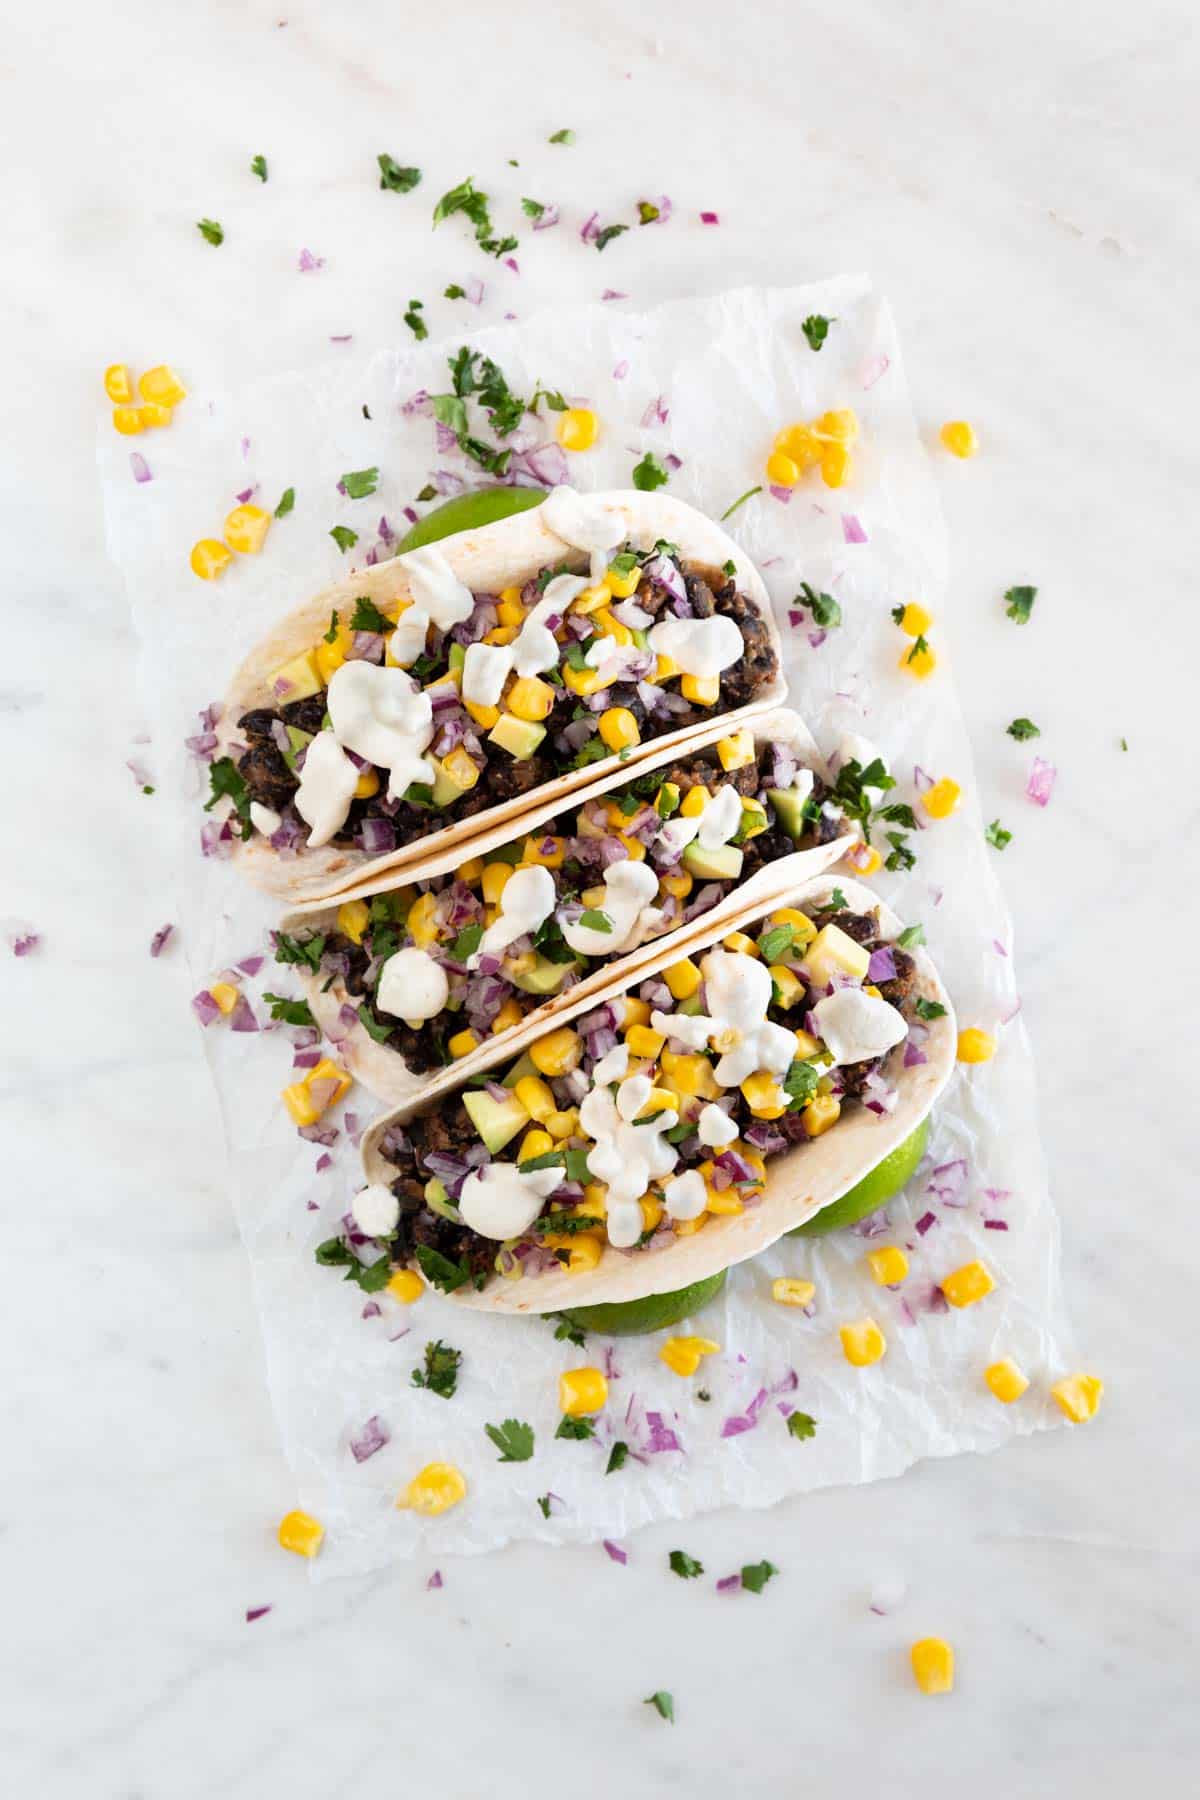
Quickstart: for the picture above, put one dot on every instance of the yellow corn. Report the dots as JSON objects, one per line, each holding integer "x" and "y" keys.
{"x": 631, "y": 1011}
{"x": 225, "y": 995}
{"x": 208, "y": 558}
{"x": 536, "y": 851}
{"x": 1006, "y": 1380}
{"x": 152, "y": 414}
{"x": 471, "y": 871}
{"x": 915, "y": 621}
{"x": 802, "y": 926}
{"x": 530, "y": 698}
{"x": 683, "y": 978}
{"x": 496, "y": 877}
{"x": 839, "y": 427}
{"x": 963, "y": 1287}
{"x": 635, "y": 851}
{"x": 652, "y": 1212}
{"x": 535, "y": 1097}
{"x": 583, "y": 1253}
{"x": 583, "y": 681}
{"x": 437, "y": 1488}
{"x": 920, "y": 661}
{"x": 798, "y": 442}
{"x": 789, "y": 985}
{"x": 644, "y": 1041}
{"x": 510, "y": 596}
{"x": 942, "y": 798}
{"x": 680, "y": 886}
{"x": 684, "y": 1354}
{"x": 595, "y": 1199}
{"x": 510, "y": 1015}
{"x": 612, "y": 627}
{"x": 659, "y": 1099}
{"x": 806, "y": 1044}
{"x": 353, "y": 917}
{"x": 246, "y": 528}
{"x": 557, "y": 1053}
{"x": 701, "y": 690}
{"x": 578, "y": 428}
{"x": 510, "y": 611}
{"x": 888, "y": 1265}
{"x": 781, "y": 470}
{"x": 836, "y": 465}
{"x": 458, "y": 765}
{"x": 118, "y": 384}
{"x": 581, "y": 1391}
{"x": 820, "y": 1114}
{"x": 162, "y": 385}
{"x": 128, "y": 420}
{"x": 563, "y": 1125}
{"x": 790, "y": 1292}
{"x": 406, "y": 1286}
{"x": 690, "y": 1074}
{"x": 366, "y": 785}
{"x": 1079, "y": 1396}
{"x": 619, "y": 728}
{"x": 975, "y": 1046}
{"x": 535, "y": 1143}
{"x": 864, "y": 859}
{"x": 487, "y": 716}
{"x": 764, "y": 1096}
{"x": 591, "y": 599}
{"x": 664, "y": 669}
{"x": 301, "y": 1533}
{"x": 623, "y": 586}
{"x": 958, "y": 436}
{"x": 422, "y": 921}
{"x": 500, "y": 634}
{"x": 741, "y": 945}
{"x": 933, "y": 1665}
{"x": 736, "y": 750}
{"x": 724, "y": 1201}
{"x": 694, "y": 802}
{"x": 462, "y": 1043}
{"x": 862, "y": 1343}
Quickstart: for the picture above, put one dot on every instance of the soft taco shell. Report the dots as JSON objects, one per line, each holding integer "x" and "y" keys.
{"x": 800, "y": 1181}
{"x": 507, "y": 553}
{"x": 385, "y": 1073}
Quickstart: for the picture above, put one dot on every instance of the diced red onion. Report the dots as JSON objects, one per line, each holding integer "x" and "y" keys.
{"x": 156, "y": 942}
{"x": 377, "y": 836}
{"x": 710, "y": 218}
{"x": 447, "y": 483}
{"x": 852, "y": 530}
{"x": 325, "y": 1135}
{"x": 242, "y": 1017}
{"x": 373, "y": 1436}
{"x": 882, "y": 966}
{"x": 435, "y": 1581}
{"x": 874, "y": 1225}
{"x": 657, "y": 413}
{"x": 256, "y": 1612}
{"x": 203, "y": 1004}
{"x": 306, "y": 1059}
{"x": 545, "y": 464}
{"x": 782, "y": 494}
{"x": 913, "y": 1055}
{"x": 548, "y": 218}
{"x": 1041, "y": 781}
{"x": 673, "y": 462}
{"x": 661, "y": 1436}
{"x": 609, "y": 293}
{"x": 246, "y": 494}
{"x": 873, "y": 369}
{"x": 420, "y": 402}
{"x": 621, "y": 370}
{"x": 590, "y": 228}
{"x": 995, "y": 1225}
{"x": 510, "y": 262}
{"x": 665, "y": 574}
{"x": 140, "y": 467}
{"x": 816, "y": 639}
{"x": 366, "y": 646}
{"x": 615, "y": 1551}
{"x": 308, "y": 262}
{"x": 948, "y": 1181}
{"x": 924, "y": 1223}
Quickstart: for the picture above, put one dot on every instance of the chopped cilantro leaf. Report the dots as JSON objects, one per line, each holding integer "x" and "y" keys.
{"x": 258, "y": 166}
{"x": 899, "y": 814}
{"x": 997, "y": 836}
{"x": 286, "y": 502}
{"x": 359, "y": 483}
{"x": 928, "y": 1009}
{"x": 544, "y": 1503}
{"x": 755, "y": 1576}
{"x": 289, "y": 1012}
{"x": 367, "y": 616}
{"x": 575, "y": 1428}
{"x": 395, "y": 177}
{"x": 331, "y": 634}
{"x": 440, "y": 1374}
{"x": 1022, "y": 729}
{"x": 663, "y": 1704}
{"x": 567, "y": 1333}
{"x": 210, "y": 231}
{"x": 343, "y": 537}
{"x": 440, "y": 1270}
{"x": 1019, "y": 603}
{"x": 378, "y": 1029}
{"x": 307, "y": 951}
{"x": 428, "y": 492}
{"x": 824, "y": 608}
{"x": 513, "y": 1439}
{"x": 839, "y": 900}
{"x": 683, "y": 1564}
{"x": 454, "y": 292}
{"x": 466, "y": 943}
{"x": 802, "y": 1425}
{"x": 467, "y": 198}
{"x": 920, "y": 647}
{"x": 1124, "y": 745}
{"x": 898, "y": 613}
{"x": 334, "y": 1254}
{"x": 607, "y": 234}
{"x": 595, "y": 920}
{"x": 649, "y": 473}
{"x": 816, "y": 329}
{"x": 595, "y": 750}
{"x": 225, "y": 779}
{"x": 911, "y": 936}
{"x": 618, "y": 1456}
{"x": 561, "y": 1222}
{"x": 772, "y": 944}
{"x": 562, "y": 137}
{"x": 800, "y": 1084}
{"x": 900, "y": 857}
{"x": 415, "y": 323}
{"x": 533, "y": 209}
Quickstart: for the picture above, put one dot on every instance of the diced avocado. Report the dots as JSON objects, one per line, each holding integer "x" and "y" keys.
{"x": 496, "y": 1121}
{"x": 722, "y": 864}
{"x": 458, "y": 656}
{"x": 520, "y": 737}
{"x": 439, "y": 1201}
{"x": 298, "y": 741}
{"x": 667, "y": 804}
{"x": 297, "y": 680}
{"x": 523, "y": 1066}
{"x": 691, "y": 1005}
{"x": 445, "y": 789}
{"x": 789, "y": 809}
{"x": 545, "y": 977}
{"x": 641, "y": 639}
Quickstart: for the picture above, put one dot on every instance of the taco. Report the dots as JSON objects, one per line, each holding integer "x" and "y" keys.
{"x": 419, "y": 983}
{"x": 744, "y": 1080}
{"x": 428, "y": 698}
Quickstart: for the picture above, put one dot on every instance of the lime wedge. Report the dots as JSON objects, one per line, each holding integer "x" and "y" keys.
{"x": 634, "y": 1316}
{"x": 874, "y": 1190}
{"x": 467, "y": 512}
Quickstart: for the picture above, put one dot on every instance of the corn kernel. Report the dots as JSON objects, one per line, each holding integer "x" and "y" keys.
{"x": 802, "y": 926}
{"x": 643, "y": 1040}
{"x": 162, "y": 385}
{"x": 563, "y": 1125}
{"x": 557, "y": 1053}
{"x": 619, "y": 728}
{"x": 820, "y": 1114}
{"x": 800, "y": 443}
{"x": 864, "y": 859}
{"x": 690, "y": 1074}
{"x": 888, "y": 1265}
{"x": 583, "y": 681}
{"x": 353, "y": 917}
{"x": 535, "y": 1097}
{"x": 496, "y": 877}
{"x": 664, "y": 668}
{"x": 581, "y": 1391}
{"x": 694, "y": 802}
{"x": 958, "y": 436}
{"x": 975, "y": 1046}
{"x": 595, "y": 1199}
{"x": 529, "y": 698}
{"x": 915, "y": 621}
{"x": 806, "y": 1044}
{"x": 652, "y": 1212}
{"x": 1079, "y": 1396}
{"x": 788, "y": 986}
{"x": 836, "y": 465}
{"x": 367, "y": 784}
{"x": 225, "y": 995}
{"x": 629, "y": 1010}
{"x": 509, "y": 1016}
{"x": 246, "y": 528}
{"x": 942, "y": 798}
{"x": 406, "y": 1286}
{"x": 963, "y": 1287}
{"x": 422, "y": 921}
{"x": 701, "y": 690}
{"x": 545, "y": 852}
{"x": 781, "y": 470}
{"x": 724, "y": 1202}
{"x": 510, "y": 612}
{"x": 688, "y": 1227}
{"x": 301, "y": 1533}
{"x": 606, "y": 623}
{"x": 862, "y": 1343}
{"x": 684, "y": 1354}
{"x": 839, "y": 427}
{"x": 487, "y": 716}
{"x": 437, "y": 1488}
{"x": 765, "y": 1098}
{"x": 920, "y": 662}
{"x": 623, "y": 586}
{"x": 683, "y": 978}
{"x": 153, "y": 414}
{"x": 471, "y": 871}
{"x": 741, "y": 945}
{"x": 500, "y": 634}
{"x": 1006, "y": 1380}
{"x": 583, "y": 1253}
{"x": 737, "y": 750}
{"x": 128, "y": 420}
{"x": 790, "y": 1292}
{"x": 578, "y": 428}
{"x": 461, "y": 769}
{"x": 462, "y": 1044}
{"x": 536, "y": 1142}
{"x": 679, "y": 886}
{"x": 591, "y": 599}
{"x": 118, "y": 384}
{"x": 933, "y": 1665}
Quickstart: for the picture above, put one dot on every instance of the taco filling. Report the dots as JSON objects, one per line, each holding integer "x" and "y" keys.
{"x": 434, "y": 970}
{"x": 396, "y": 723}
{"x": 651, "y": 1115}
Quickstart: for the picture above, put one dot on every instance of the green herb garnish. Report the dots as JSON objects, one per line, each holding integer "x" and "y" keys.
{"x": 467, "y": 198}
{"x": 755, "y": 1576}
{"x": 258, "y": 166}
{"x": 415, "y": 323}
{"x": 824, "y": 608}
{"x": 1019, "y": 603}
{"x": 618, "y": 1456}
{"x": 394, "y": 176}
{"x": 514, "y": 1441}
{"x": 334, "y": 1254}
{"x": 816, "y": 329}
{"x": 801, "y": 1425}
{"x": 683, "y": 1564}
{"x": 649, "y": 473}
{"x": 928, "y": 1009}
{"x": 594, "y": 920}
{"x": 740, "y": 501}
{"x": 225, "y": 779}
{"x": 997, "y": 836}
{"x": 289, "y": 1012}
{"x": 575, "y": 1428}
{"x": 533, "y": 209}
{"x": 210, "y": 231}
{"x": 367, "y": 616}
{"x": 1023, "y": 729}
{"x": 440, "y": 1270}
{"x": 663, "y": 1704}
{"x": 562, "y": 137}
{"x": 359, "y": 483}
{"x": 774, "y": 943}
{"x": 286, "y": 502}
{"x": 567, "y": 1333}
{"x": 343, "y": 537}
{"x": 911, "y": 936}
{"x": 440, "y": 1374}
{"x": 306, "y": 951}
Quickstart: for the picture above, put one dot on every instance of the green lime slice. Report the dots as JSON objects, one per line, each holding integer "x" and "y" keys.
{"x": 873, "y": 1191}
{"x": 467, "y": 512}
{"x": 632, "y": 1317}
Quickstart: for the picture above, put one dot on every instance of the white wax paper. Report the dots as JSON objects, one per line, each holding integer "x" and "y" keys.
{"x": 732, "y": 370}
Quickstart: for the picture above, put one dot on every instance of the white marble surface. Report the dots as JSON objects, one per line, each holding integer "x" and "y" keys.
{"x": 1018, "y": 181}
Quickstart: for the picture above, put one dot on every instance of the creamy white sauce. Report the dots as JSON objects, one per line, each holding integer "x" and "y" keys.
{"x": 802, "y": 787}
{"x": 264, "y": 819}
{"x": 535, "y": 647}
{"x": 584, "y": 523}
{"x": 486, "y": 669}
{"x": 499, "y": 1202}
{"x": 738, "y": 991}
{"x": 686, "y": 1196}
{"x": 857, "y": 1027}
{"x": 629, "y": 889}
{"x": 701, "y": 647}
{"x": 327, "y": 783}
{"x": 527, "y": 902}
{"x": 716, "y": 1128}
{"x": 375, "y": 1210}
{"x": 412, "y": 987}
{"x": 407, "y": 642}
{"x": 721, "y": 818}
{"x": 612, "y": 661}
{"x": 382, "y": 715}
{"x": 691, "y": 1029}
{"x": 436, "y": 588}
{"x": 625, "y": 1156}
{"x": 631, "y": 614}
{"x": 612, "y": 1067}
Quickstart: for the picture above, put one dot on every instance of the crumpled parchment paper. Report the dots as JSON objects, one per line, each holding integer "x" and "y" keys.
{"x": 731, "y": 370}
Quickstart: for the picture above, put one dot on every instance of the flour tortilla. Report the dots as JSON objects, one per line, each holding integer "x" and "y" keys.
{"x": 384, "y": 1071}
{"x": 505, "y": 554}
{"x": 800, "y": 1181}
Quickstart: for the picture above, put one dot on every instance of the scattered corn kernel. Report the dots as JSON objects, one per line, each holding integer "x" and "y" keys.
{"x": 652, "y": 1212}
{"x": 1006, "y": 1380}
{"x": 942, "y": 798}
{"x": 839, "y": 427}
{"x": 367, "y": 784}
{"x": 535, "y": 1097}
{"x": 764, "y": 1096}
{"x": 933, "y": 1665}
{"x": 246, "y": 528}
{"x": 678, "y": 885}
{"x": 800, "y": 443}
{"x": 1079, "y": 1396}
{"x": 153, "y": 414}
{"x": 688, "y": 1227}
{"x": 583, "y": 681}
{"x": 915, "y": 621}
{"x": 162, "y": 386}
{"x": 535, "y": 1143}
{"x": 128, "y": 420}
{"x": 437, "y": 1488}
{"x": 975, "y": 1046}
{"x": 630, "y": 1011}
{"x": 619, "y": 728}
{"x": 781, "y": 470}
{"x": 612, "y": 627}
{"x": 487, "y": 716}
{"x": 583, "y": 1254}
{"x": 789, "y": 1291}
{"x": 683, "y": 978}
{"x": 836, "y": 465}
{"x": 963, "y": 1287}
{"x": 788, "y": 986}
{"x": 862, "y": 1343}
{"x": 864, "y": 859}
{"x": 118, "y": 383}
{"x": 959, "y": 438}
{"x": 301, "y": 1533}
{"x": 581, "y": 1391}
{"x": 920, "y": 662}
{"x": 578, "y": 428}
{"x": 225, "y": 995}
{"x": 406, "y": 1286}
{"x": 462, "y": 1043}
{"x": 684, "y": 1354}
{"x": 557, "y": 1053}
{"x": 888, "y": 1265}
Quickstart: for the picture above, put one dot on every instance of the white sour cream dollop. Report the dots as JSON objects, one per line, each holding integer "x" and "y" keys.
{"x": 436, "y": 589}
{"x": 585, "y": 523}
{"x": 701, "y": 647}
{"x": 500, "y": 1202}
{"x": 716, "y": 1128}
{"x": 381, "y": 714}
{"x": 714, "y": 826}
{"x": 858, "y": 1027}
{"x": 625, "y": 1156}
{"x": 527, "y": 902}
{"x": 486, "y": 668}
{"x": 629, "y": 888}
{"x": 327, "y": 783}
{"x": 738, "y": 992}
{"x": 375, "y": 1210}
{"x": 407, "y": 642}
{"x": 686, "y": 1196}
{"x": 412, "y": 987}
{"x": 265, "y": 818}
